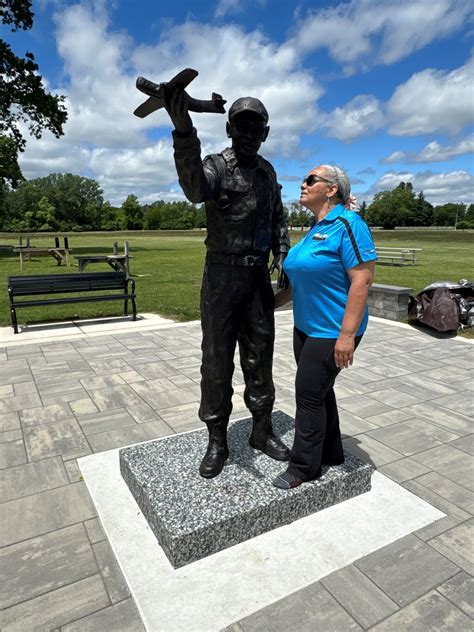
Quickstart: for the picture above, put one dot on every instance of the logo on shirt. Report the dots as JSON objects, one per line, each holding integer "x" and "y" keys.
{"x": 320, "y": 236}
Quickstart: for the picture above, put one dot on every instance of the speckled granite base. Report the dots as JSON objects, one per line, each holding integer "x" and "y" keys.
{"x": 193, "y": 517}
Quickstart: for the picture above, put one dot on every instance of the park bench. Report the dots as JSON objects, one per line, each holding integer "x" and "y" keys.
{"x": 95, "y": 284}
{"x": 397, "y": 256}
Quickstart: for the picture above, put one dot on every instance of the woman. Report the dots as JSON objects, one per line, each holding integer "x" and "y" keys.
{"x": 330, "y": 271}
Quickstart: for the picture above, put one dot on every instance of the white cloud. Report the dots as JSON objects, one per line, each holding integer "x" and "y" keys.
{"x": 433, "y": 152}
{"x": 102, "y": 137}
{"x": 364, "y": 33}
{"x": 438, "y": 188}
{"x": 361, "y": 116}
{"x": 433, "y": 101}
{"x": 237, "y": 64}
{"x": 225, "y": 7}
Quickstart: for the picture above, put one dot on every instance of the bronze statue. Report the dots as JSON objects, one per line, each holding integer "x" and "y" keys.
{"x": 245, "y": 221}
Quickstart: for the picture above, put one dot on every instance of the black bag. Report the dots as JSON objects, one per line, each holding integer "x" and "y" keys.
{"x": 444, "y": 305}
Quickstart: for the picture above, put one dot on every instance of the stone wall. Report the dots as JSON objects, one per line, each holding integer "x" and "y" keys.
{"x": 389, "y": 301}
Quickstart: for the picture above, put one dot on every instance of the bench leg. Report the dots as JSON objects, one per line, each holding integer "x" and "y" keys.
{"x": 125, "y": 308}
{"x": 134, "y": 308}
{"x": 14, "y": 321}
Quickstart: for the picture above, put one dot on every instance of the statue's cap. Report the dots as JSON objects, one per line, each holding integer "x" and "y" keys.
{"x": 248, "y": 104}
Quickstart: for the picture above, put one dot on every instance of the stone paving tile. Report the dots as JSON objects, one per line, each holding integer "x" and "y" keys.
{"x": 359, "y": 596}
{"x": 7, "y": 390}
{"x": 153, "y": 386}
{"x": 142, "y": 413}
{"x": 36, "y": 566}
{"x": 389, "y": 418}
{"x": 436, "y": 500}
{"x": 437, "y": 527}
{"x": 182, "y": 418}
{"x": 114, "y": 581}
{"x": 68, "y": 396}
{"x": 44, "y": 414}
{"x": 18, "y": 402}
{"x": 371, "y": 450}
{"x": 352, "y": 425}
{"x": 129, "y": 435}
{"x": 155, "y": 369}
{"x": 403, "y": 470}
{"x": 12, "y": 375}
{"x": 105, "y": 421}
{"x": 95, "y": 530}
{"x": 393, "y": 397}
{"x": 405, "y": 438}
{"x": 23, "y": 388}
{"x": 83, "y": 406}
{"x": 363, "y": 406}
{"x": 11, "y": 435}
{"x": 423, "y": 389}
{"x": 56, "y": 608}
{"x": 9, "y": 421}
{"x": 456, "y": 494}
{"x": 429, "y": 613}
{"x": 131, "y": 376}
{"x": 59, "y": 389}
{"x": 31, "y": 478}
{"x": 406, "y": 569}
{"x": 121, "y": 616}
{"x": 458, "y": 402}
{"x": 115, "y": 397}
{"x": 451, "y": 421}
{"x": 168, "y": 399}
{"x": 101, "y": 381}
{"x": 456, "y": 544}
{"x": 107, "y": 366}
{"x": 63, "y": 438}
{"x": 307, "y": 610}
{"x": 450, "y": 462}
{"x": 73, "y": 472}
{"x": 12, "y": 453}
{"x": 44, "y": 512}
{"x": 460, "y": 590}
{"x": 466, "y": 444}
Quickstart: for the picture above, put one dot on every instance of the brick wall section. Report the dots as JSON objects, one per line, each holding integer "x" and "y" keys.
{"x": 389, "y": 301}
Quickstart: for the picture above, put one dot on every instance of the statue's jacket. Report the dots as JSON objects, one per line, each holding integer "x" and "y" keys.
{"x": 244, "y": 211}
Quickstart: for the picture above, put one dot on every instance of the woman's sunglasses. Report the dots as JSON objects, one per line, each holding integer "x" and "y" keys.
{"x": 313, "y": 178}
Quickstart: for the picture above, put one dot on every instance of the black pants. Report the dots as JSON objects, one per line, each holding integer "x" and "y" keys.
{"x": 317, "y": 434}
{"x": 237, "y": 305}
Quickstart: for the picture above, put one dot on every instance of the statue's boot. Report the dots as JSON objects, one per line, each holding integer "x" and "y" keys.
{"x": 217, "y": 451}
{"x": 262, "y": 438}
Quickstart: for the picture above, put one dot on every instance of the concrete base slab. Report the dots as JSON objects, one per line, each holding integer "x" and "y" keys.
{"x": 216, "y": 591}
{"x": 193, "y": 517}
{"x": 48, "y": 332}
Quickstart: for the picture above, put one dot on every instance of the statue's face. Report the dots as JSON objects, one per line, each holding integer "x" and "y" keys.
{"x": 248, "y": 131}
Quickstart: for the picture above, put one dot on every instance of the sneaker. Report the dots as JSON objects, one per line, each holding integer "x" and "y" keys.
{"x": 285, "y": 480}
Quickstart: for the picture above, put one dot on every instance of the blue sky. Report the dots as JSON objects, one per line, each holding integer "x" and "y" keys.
{"x": 384, "y": 89}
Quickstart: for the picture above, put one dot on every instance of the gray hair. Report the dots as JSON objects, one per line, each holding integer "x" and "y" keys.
{"x": 340, "y": 179}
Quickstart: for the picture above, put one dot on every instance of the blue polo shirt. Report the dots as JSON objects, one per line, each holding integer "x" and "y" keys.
{"x": 316, "y": 267}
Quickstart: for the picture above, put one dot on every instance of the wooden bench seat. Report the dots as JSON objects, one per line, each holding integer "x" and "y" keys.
{"x": 95, "y": 284}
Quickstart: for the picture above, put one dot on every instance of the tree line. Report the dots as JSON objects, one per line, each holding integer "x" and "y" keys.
{"x": 67, "y": 202}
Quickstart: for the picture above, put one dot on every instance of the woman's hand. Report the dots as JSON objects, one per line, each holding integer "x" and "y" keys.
{"x": 344, "y": 351}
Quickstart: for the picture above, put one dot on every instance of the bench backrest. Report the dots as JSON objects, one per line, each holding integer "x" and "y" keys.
{"x": 63, "y": 283}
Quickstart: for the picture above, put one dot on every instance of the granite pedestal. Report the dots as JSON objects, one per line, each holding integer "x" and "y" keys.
{"x": 192, "y": 517}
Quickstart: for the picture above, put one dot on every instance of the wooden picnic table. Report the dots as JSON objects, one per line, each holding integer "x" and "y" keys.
{"x": 60, "y": 254}
{"x": 119, "y": 263}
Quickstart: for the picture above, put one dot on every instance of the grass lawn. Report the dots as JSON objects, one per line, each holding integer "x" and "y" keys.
{"x": 167, "y": 266}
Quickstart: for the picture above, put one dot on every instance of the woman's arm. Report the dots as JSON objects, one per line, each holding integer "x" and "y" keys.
{"x": 282, "y": 297}
{"x": 361, "y": 278}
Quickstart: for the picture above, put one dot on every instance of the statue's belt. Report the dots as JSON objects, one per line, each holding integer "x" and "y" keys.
{"x": 238, "y": 260}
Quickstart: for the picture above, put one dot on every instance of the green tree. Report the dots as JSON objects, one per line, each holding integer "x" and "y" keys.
{"x": 448, "y": 214}
{"x": 133, "y": 213}
{"x": 24, "y": 98}
{"x": 77, "y": 200}
{"x": 363, "y": 209}
{"x": 109, "y": 218}
{"x": 421, "y": 213}
{"x": 392, "y": 208}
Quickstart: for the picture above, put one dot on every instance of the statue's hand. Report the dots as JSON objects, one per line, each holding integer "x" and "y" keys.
{"x": 277, "y": 264}
{"x": 177, "y": 108}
